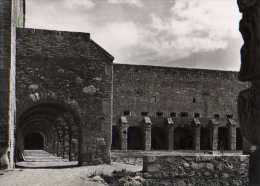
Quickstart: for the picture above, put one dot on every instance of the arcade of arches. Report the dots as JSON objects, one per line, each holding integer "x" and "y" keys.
{"x": 176, "y": 136}
{"x": 50, "y": 127}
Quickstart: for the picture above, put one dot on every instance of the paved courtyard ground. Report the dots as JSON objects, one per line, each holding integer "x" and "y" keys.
{"x": 72, "y": 176}
{"x": 77, "y": 176}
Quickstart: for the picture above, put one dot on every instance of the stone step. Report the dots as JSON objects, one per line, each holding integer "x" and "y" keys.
{"x": 41, "y": 156}
{"x": 43, "y": 159}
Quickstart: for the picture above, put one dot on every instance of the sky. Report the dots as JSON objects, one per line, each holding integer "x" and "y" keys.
{"x": 175, "y": 33}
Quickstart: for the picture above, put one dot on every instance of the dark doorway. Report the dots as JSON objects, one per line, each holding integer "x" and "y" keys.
{"x": 115, "y": 138}
{"x": 135, "y": 138}
{"x": 34, "y": 141}
{"x": 205, "y": 138}
{"x": 183, "y": 138}
{"x": 159, "y": 138}
{"x": 223, "y": 138}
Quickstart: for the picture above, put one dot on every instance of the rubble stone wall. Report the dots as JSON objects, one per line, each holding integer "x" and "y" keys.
{"x": 200, "y": 170}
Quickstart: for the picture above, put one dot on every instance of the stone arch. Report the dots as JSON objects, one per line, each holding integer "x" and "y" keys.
{"x": 36, "y": 98}
{"x": 44, "y": 114}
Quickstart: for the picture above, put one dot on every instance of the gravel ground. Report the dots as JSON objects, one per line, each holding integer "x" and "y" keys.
{"x": 77, "y": 176}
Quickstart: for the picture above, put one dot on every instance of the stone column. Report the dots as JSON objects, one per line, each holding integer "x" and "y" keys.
{"x": 231, "y": 123}
{"x": 123, "y": 137}
{"x": 123, "y": 132}
{"x": 196, "y": 124}
{"x": 170, "y": 123}
{"x": 147, "y": 133}
{"x": 7, "y": 81}
{"x": 232, "y": 138}
{"x": 214, "y": 138}
{"x": 147, "y": 138}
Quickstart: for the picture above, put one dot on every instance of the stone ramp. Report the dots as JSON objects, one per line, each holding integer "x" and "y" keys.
{"x": 43, "y": 159}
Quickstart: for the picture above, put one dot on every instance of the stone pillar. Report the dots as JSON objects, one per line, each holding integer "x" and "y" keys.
{"x": 231, "y": 123}
{"x": 147, "y": 137}
{"x": 170, "y": 123}
{"x": 196, "y": 124}
{"x": 123, "y": 136}
{"x": 147, "y": 133}
{"x": 123, "y": 133}
{"x": 170, "y": 137}
{"x": 214, "y": 138}
{"x": 197, "y": 138}
{"x": 232, "y": 138}
{"x": 7, "y": 81}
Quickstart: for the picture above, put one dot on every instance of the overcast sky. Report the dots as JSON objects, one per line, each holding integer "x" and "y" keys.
{"x": 178, "y": 33}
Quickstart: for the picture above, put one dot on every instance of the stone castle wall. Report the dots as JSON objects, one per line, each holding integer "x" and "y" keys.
{"x": 162, "y": 108}
{"x": 196, "y": 170}
{"x": 154, "y": 89}
{"x": 71, "y": 69}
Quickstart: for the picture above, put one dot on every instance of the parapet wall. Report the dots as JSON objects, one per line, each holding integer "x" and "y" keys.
{"x": 196, "y": 170}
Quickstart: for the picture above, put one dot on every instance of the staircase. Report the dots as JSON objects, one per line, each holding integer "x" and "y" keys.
{"x": 43, "y": 159}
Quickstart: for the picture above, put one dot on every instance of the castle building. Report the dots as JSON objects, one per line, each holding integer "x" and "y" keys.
{"x": 72, "y": 101}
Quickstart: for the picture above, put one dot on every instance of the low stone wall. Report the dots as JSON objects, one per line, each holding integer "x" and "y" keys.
{"x": 196, "y": 170}
{"x": 128, "y": 160}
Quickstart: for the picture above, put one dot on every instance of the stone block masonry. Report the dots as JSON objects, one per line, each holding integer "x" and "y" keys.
{"x": 66, "y": 72}
{"x": 153, "y": 89}
{"x": 196, "y": 170}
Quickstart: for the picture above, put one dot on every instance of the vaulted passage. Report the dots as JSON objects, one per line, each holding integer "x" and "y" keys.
{"x": 51, "y": 127}
{"x": 33, "y": 141}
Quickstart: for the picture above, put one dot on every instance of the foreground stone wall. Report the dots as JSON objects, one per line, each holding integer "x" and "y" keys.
{"x": 200, "y": 170}
{"x": 71, "y": 70}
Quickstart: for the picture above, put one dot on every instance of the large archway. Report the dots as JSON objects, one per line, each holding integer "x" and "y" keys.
{"x": 52, "y": 127}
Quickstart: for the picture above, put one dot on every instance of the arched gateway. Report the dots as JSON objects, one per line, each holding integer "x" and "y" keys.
{"x": 50, "y": 126}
